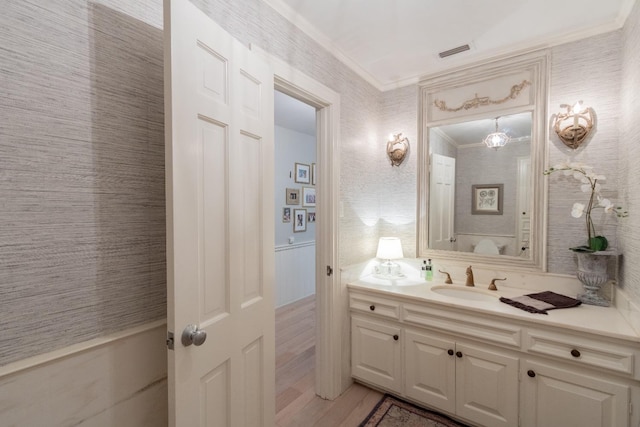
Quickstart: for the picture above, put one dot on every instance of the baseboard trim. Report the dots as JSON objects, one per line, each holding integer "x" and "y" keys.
{"x": 41, "y": 359}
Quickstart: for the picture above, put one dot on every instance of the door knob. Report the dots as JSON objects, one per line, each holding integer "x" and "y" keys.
{"x": 193, "y": 335}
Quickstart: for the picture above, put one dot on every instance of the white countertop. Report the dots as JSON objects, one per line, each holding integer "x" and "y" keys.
{"x": 604, "y": 321}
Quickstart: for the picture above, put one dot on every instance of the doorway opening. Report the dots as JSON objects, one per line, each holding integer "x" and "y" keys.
{"x": 295, "y": 176}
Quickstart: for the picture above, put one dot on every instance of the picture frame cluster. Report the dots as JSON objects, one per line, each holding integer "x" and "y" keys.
{"x": 304, "y": 196}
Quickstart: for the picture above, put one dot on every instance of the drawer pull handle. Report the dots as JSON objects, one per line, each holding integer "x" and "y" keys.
{"x": 450, "y": 351}
{"x": 395, "y": 337}
{"x": 459, "y": 354}
{"x": 372, "y": 307}
{"x": 575, "y": 353}
{"x": 531, "y": 373}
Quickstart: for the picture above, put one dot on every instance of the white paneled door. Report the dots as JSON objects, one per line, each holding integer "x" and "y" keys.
{"x": 441, "y": 207}
{"x": 219, "y": 179}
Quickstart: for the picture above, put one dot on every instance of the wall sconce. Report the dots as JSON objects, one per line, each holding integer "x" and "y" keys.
{"x": 389, "y": 248}
{"x": 496, "y": 139}
{"x": 575, "y": 125}
{"x": 397, "y": 148}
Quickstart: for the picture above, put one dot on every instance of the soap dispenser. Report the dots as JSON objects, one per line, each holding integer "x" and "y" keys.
{"x": 423, "y": 272}
{"x": 428, "y": 275}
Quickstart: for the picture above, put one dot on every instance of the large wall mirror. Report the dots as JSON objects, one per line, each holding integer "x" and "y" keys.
{"x": 479, "y": 203}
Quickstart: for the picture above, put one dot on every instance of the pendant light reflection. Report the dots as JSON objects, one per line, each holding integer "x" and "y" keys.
{"x": 496, "y": 139}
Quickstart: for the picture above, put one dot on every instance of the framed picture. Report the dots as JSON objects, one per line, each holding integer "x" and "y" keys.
{"x": 486, "y": 199}
{"x": 299, "y": 220}
{"x": 311, "y": 216}
{"x": 286, "y": 214}
{"x": 308, "y": 196}
{"x": 303, "y": 173}
{"x": 293, "y": 196}
{"x": 313, "y": 174}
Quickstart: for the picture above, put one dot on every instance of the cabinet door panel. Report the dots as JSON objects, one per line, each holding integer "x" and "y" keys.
{"x": 430, "y": 370}
{"x": 376, "y": 353}
{"x": 563, "y": 398}
{"x": 487, "y": 386}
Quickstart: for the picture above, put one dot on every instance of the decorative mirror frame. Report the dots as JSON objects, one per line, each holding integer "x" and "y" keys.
{"x": 486, "y": 91}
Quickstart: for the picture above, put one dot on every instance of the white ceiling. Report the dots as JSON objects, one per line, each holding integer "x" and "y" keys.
{"x": 392, "y": 43}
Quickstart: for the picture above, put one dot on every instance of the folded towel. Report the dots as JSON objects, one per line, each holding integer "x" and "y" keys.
{"x": 541, "y": 302}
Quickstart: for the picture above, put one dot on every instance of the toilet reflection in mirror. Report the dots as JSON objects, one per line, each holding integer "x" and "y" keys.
{"x": 459, "y": 159}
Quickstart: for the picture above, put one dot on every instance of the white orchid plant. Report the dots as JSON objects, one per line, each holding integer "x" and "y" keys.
{"x": 590, "y": 184}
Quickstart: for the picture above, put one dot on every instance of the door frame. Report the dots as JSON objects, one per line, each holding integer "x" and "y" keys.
{"x": 332, "y": 378}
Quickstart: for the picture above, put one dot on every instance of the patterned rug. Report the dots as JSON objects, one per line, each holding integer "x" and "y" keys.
{"x": 392, "y": 412}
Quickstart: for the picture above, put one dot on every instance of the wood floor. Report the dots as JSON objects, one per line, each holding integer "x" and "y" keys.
{"x": 296, "y": 402}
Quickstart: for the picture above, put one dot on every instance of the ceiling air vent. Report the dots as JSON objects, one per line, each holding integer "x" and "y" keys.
{"x": 453, "y": 51}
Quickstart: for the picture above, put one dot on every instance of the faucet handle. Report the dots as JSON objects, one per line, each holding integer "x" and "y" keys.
{"x": 448, "y": 280}
{"x": 492, "y": 286}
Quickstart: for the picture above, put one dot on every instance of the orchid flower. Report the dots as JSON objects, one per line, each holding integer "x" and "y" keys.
{"x": 590, "y": 183}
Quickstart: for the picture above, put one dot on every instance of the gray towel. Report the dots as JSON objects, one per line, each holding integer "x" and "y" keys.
{"x": 541, "y": 302}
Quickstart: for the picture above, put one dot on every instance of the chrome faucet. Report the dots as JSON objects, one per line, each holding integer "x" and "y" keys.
{"x": 469, "y": 277}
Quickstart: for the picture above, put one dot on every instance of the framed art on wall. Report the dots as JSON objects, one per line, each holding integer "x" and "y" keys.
{"x": 486, "y": 199}
{"x": 286, "y": 214}
{"x": 308, "y": 196}
{"x": 303, "y": 173}
{"x": 293, "y": 196}
{"x": 299, "y": 220}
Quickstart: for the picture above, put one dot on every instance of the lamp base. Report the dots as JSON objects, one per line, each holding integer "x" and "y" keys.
{"x": 388, "y": 270}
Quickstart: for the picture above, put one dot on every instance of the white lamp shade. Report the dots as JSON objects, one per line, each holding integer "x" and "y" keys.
{"x": 389, "y": 248}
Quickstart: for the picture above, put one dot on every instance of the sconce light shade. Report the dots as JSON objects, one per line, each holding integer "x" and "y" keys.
{"x": 397, "y": 148}
{"x": 575, "y": 125}
{"x": 496, "y": 139}
{"x": 389, "y": 248}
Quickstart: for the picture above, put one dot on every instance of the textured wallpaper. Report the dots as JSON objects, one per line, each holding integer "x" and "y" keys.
{"x": 82, "y": 242}
{"x": 629, "y": 155}
{"x": 587, "y": 70}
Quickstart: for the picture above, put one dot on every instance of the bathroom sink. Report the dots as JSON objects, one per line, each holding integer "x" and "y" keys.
{"x": 465, "y": 293}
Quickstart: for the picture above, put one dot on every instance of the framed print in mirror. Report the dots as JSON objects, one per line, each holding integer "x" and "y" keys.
{"x": 286, "y": 214}
{"x": 299, "y": 220}
{"x": 486, "y": 199}
{"x": 293, "y": 196}
{"x": 308, "y": 196}
{"x": 303, "y": 173}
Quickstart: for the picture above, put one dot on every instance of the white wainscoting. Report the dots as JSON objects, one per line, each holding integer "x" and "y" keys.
{"x": 118, "y": 380}
{"x": 295, "y": 272}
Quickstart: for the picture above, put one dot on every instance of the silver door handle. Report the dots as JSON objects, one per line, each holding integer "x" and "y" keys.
{"x": 193, "y": 335}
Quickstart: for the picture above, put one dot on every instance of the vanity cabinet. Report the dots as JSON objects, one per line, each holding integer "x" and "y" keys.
{"x": 474, "y": 382}
{"x": 376, "y": 353}
{"x": 490, "y": 370}
{"x": 561, "y": 397}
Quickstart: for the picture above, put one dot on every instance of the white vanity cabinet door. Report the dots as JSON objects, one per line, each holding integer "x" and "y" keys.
{"x": 486, "y": 386}
{"x": 555, "y": 397}
{"x": 470, "y": 381}
{"x": 430, "y": 370}
{"x": 376, "y": 353}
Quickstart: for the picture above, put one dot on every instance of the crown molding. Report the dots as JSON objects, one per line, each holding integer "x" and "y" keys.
{"x": 310, "y": 30}
{"x": 451, "y": 63}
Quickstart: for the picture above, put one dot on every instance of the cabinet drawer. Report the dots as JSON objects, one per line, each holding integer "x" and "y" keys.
{"x": 462, "y": 324}
{"x": 375, "y": 305}
{"x": 581, "y": 350}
